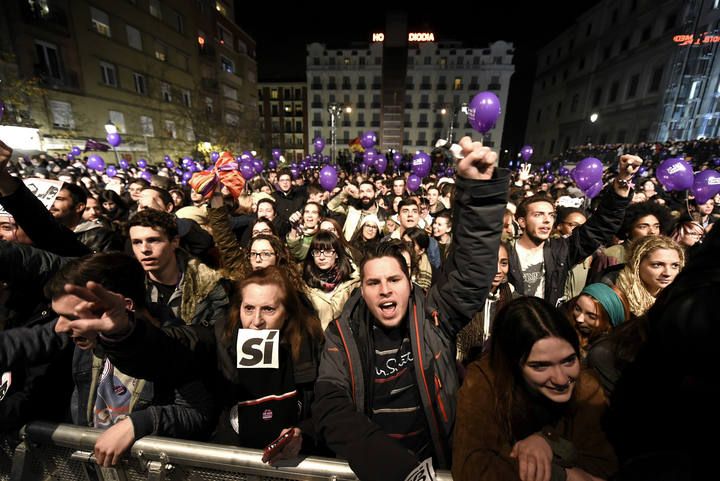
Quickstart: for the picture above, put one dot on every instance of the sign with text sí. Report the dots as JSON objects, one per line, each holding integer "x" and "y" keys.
{"x": 258, "y": 349}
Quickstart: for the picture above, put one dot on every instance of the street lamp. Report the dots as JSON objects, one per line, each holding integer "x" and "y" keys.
{"x": 335, "y": 110}
{"x": 593, "y": 117}
{"x": 110, "y": 128}
{"x": 453, "y": 118}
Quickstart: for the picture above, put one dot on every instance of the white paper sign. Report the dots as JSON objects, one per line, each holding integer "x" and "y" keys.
{"x": 5, "y": 383}
{"x": 257, "y": 349}
{"x": 424, "y": 472}
{"x": 44, "y": 189}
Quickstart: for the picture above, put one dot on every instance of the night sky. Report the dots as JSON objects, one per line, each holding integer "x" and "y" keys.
{"x": 282, "y": 34}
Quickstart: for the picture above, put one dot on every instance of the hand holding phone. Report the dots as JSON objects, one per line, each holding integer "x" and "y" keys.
{"x": 275, "y": 447}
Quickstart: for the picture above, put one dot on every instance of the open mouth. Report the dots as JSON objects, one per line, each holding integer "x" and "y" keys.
{"x": 388, "y": 308}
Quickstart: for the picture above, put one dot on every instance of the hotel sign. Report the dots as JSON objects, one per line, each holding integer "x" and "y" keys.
{"x": 699, "y": 39}
{"x": 412, "y": 37}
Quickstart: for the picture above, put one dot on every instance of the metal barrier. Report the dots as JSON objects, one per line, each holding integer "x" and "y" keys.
{"x": 63, "y": 452}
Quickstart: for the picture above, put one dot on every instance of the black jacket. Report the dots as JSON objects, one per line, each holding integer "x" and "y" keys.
{"x": 343, "y": 392}
{"x": 179, "y": 354}
{"x": 563, "y": 253}
{"x": 160, "y": 408}
{"x": 286, "y": 203}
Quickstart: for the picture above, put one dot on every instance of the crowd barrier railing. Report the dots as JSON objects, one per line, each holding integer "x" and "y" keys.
{"x": 64, "y": 452}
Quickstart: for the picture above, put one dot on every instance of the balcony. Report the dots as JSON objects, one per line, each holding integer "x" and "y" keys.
{"x": 346, "y": 123}
{"x": 375, "y": 105}
{"x": 332, "y": 86}
{"x": 54, "y": 20}
{"x": 70, "y": 80}
{"x": 425, "y": 86}
{"x": 361, "y": 86}
{"x": 441, "y": 87}
{"x": 376, "y": 86}
{"x": 408, "y": 105}
{"x": 317, "y": 123}
{"x": 438, "y": 125}
{"x": 409, "y": 87}
{"x": 408, "y": 125}
{"x": 422, "y": 125}
{"x": 474, "y": 87}
{"x": 494, "y": 86}
{"x": 360, "y": 123}
{"x": 423, "y": 105}
{"x": 316, "y": 86}
{"x": 316, "y": 105}
{"x": 346, "y": 86}
{"x": 375, "y": 123}
{"x": 360, "y": 105}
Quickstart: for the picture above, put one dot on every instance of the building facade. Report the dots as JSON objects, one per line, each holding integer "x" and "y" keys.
{"x": 170, "y": 75}
{"x": 283, "y": 118}
{"x": 407, "y": 87}
{"x": 603, "y": 79}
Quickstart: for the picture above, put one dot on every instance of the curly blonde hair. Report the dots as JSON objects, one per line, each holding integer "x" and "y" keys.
{"x": 629, "y": 282}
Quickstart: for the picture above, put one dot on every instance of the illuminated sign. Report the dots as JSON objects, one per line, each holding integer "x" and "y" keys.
{"x": 412, "y": 37}
{"x": 691, "y": 39}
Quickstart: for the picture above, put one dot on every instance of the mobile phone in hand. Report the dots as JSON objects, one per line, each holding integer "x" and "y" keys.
{"x": 272, "y": 449}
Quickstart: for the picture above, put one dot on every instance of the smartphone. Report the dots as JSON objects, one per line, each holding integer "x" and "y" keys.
{"x": 276, "y": 446}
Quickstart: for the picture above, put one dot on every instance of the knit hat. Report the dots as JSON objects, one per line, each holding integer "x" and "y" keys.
{"x": 371, "y": 219}
{"x": 609, "y": 299}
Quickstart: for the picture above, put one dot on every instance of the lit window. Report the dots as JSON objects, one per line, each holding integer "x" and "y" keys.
{"x": 161, "y": 51}
{"x": 170, "y": 129}
{"x": 227, "y": 65}
{"x": 117, "y": 118}
{"x": 100, "y": 21}
{"x": 61, "y": 114}
{"x": 146, "y": 124}
{"x": 458, "y": 83}
{"x": 156, "y": 9}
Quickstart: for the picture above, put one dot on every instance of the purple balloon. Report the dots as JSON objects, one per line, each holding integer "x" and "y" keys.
{"x": 328, "y": 178}
{"x": 247, "y": 170}
{"x": 124, "y": 164}
{"x": 706, "y": 185}
{"x": 421, "y": 164}
{"x": 276, "y": 153}
{"x": 76, "y": 151}
{"x": 547, "y": 165}
{"x": 550, "y": 178}
{"x": 368, "y": 139}
{"x": 450, "y": 172}
{"x": 169, "y": 164}
{"x": 381, "y": 164}
{"x": 187, "y": 175}
{"x": 588, "y": 172}
{"x": 114, "y": 139}
{"x": 111, "y": 171}
{"x": 642, "y": 170}
{"x": 318, "y": 144}
{"x": 187, "y": 161}
{"x": 563, "y": 171}
{"x": 397, "y": 159}
{"x": 70, "y": 157}
{"x": 594, "y": 190}
{"x": 483, "y": 111}
{"x": 258, "y": 166}
{"x": 95, "y": 162}
{"x": 716, "y": 162}
{"x": 272, "y": 164}
{"x": 142, "y": 163}
{"x": 413, "y": 182}
{"x": 146, "y": 175}
{"x": 294, "y": 171}
{"x": 526, "y": 152}
{"x": 675, "y": 174}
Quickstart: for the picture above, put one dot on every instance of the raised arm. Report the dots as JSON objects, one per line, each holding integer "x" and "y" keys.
{"x": 480, "y": 200}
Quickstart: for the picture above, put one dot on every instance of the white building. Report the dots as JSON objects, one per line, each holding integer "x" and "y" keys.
{"x": 406, "y": 92}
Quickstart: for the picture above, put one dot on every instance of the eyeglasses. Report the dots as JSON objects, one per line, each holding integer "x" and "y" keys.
{"x": 262, "y": 254}
{"x": 323, "y": 252}
{"x": 262, "y": 231}
{"x": 371, "y": 226}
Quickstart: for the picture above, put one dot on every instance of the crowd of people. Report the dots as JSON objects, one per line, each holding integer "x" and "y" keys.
{"x": 499, "y": 323}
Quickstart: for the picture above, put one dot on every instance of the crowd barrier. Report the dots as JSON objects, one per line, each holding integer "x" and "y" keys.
{"x": 63, "y": 452}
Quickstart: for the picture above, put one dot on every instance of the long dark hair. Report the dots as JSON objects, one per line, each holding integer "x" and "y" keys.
{"x": 517, "y": 327}
{"x": 325, "y": 240}
{"x": 300, "y": 320}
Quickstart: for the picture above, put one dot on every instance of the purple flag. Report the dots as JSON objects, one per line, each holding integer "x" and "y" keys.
{"x": 91, "y": 144}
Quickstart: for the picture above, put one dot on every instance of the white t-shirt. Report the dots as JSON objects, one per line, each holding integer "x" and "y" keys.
{"x": 532, "y": 265}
